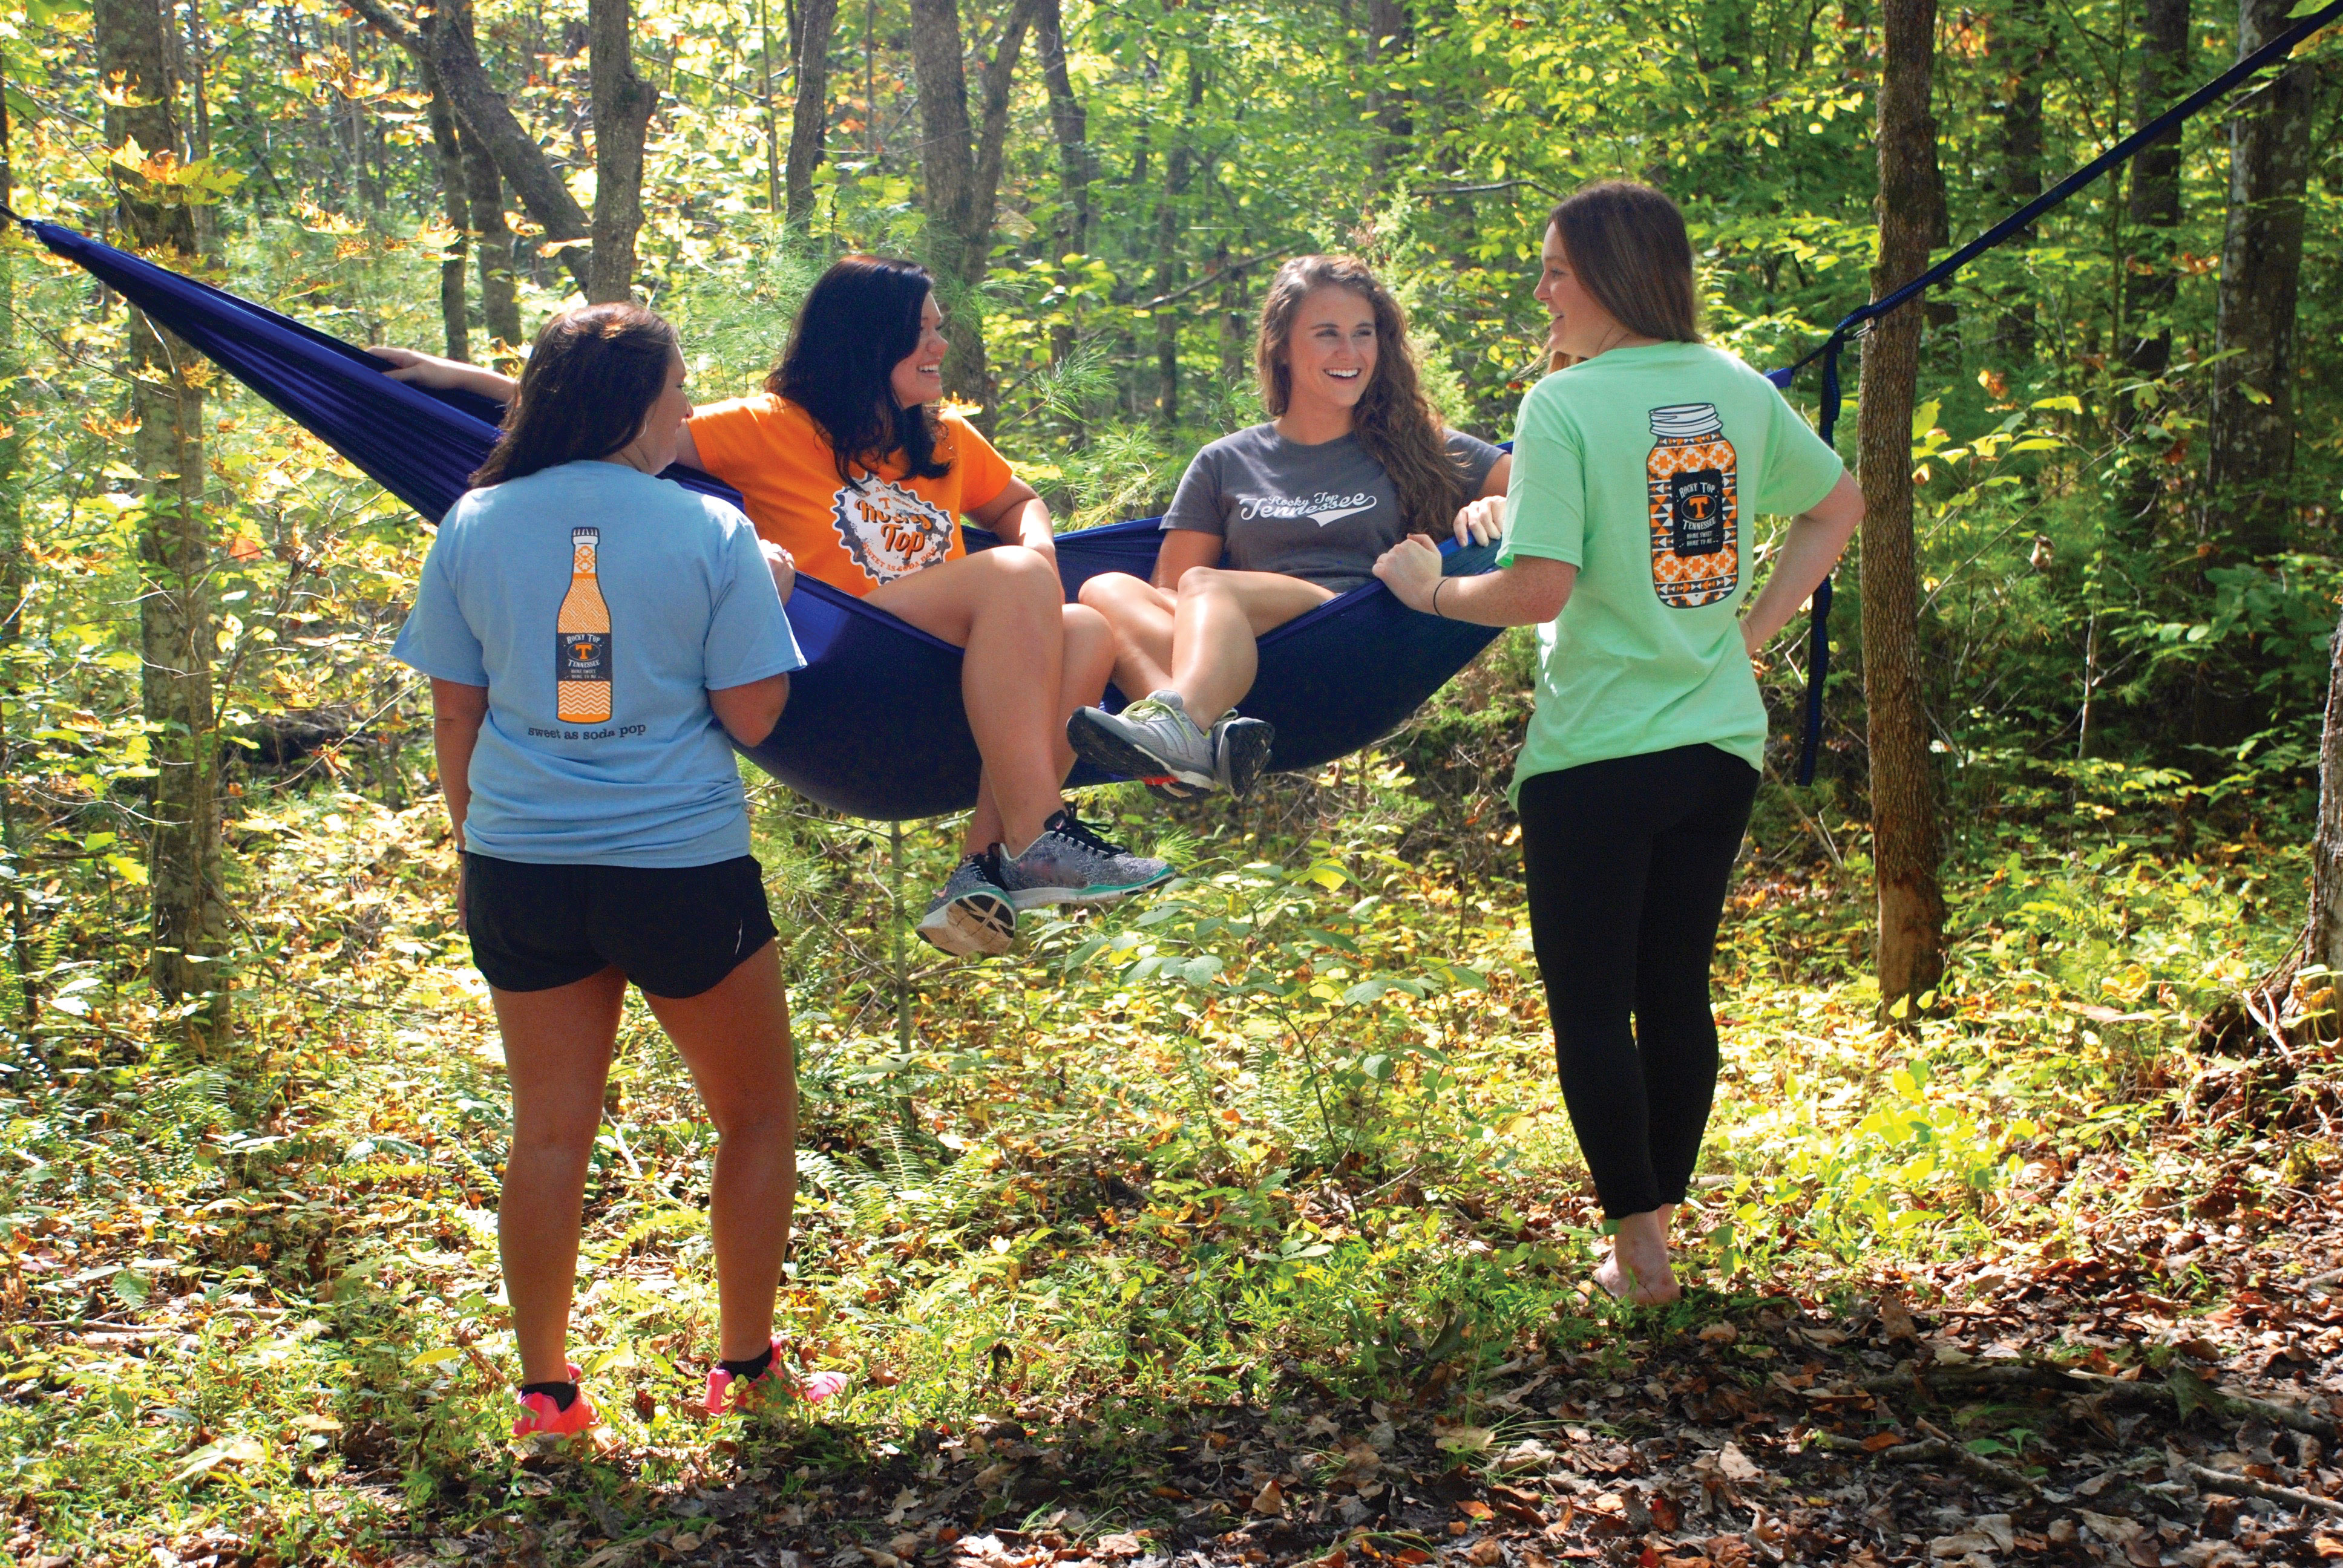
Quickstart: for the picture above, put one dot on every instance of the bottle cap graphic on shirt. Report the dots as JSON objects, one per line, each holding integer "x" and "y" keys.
{"x": 1686, "y": 422}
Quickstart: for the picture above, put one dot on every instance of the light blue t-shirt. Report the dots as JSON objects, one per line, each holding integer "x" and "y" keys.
{"x": 600, "y": 606}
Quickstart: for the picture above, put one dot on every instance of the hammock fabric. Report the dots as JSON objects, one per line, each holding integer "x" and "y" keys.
{"x": 874, "y": 726}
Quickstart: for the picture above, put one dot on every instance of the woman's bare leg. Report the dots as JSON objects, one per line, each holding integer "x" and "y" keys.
{"x": 1141, "y": 616}
{"x": 735, "y": 1039}
{"x": 557, "y": 1058}
{"x": 1005, "y": 608}
{"x": 1088, "y": 660}
{"x": 1220, "y": 616}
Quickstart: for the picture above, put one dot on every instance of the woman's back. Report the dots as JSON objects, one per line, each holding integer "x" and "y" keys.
{"x": 599, "y": 606}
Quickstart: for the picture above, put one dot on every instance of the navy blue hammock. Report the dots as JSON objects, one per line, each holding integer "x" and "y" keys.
{"x": 874, "y": 726}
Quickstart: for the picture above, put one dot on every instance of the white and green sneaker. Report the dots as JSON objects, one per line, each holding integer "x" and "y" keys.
{"x": 1069, "y": 864}
{"x": 973, "y": 914}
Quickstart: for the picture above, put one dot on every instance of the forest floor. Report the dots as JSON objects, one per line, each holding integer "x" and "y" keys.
{"x": 1242, "y": 1228}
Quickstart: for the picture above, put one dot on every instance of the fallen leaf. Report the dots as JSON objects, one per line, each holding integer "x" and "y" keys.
{"x": 2110, "y": 1526}
{"x": 1485, "y": 1553}
{"x": 1895, "y": 1318}
{"x": 1472, "y": 1508}
{"x": 1463, "y": 1439}
{"x": 1268, "y": 1501}
{"x": 1737, "y": 1466}
{"x": 1881, "y": 1439}
{"x": 1720, "y": 1333}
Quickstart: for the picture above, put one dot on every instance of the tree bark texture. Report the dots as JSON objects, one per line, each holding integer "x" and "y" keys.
{"x": 2150, "y": 282}
{"x": 444, "y": 36}
{"x": 454, "y": 312}
{"x": 2325, "y": 945}
{"x": 2018, "y": 57}
{"x": 960, "y": 169}
{"x": 1077, "y": 165}
{"x": 189, "y": 920}
{"x": 623, "y": 103}
{"x": 817, "y": 21}
{"x": 2252, "y": 462}
{"x": 1179, "y": 172}
{"x": 12, "y": 592}
{"x": 500, "y": 290}
{"x": 1905, "y": 837}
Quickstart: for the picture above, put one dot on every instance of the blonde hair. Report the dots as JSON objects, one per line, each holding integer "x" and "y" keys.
{"x": 1394, "y": 420}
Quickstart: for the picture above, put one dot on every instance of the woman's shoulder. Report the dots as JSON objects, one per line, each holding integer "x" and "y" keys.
{"x": 1254, "y": 441}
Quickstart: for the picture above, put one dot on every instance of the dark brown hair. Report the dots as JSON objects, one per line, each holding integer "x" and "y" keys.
{"x": 1628, "y": 245}
{"x": 1394, "y": 420}
{"x": 591, "y": 379}
{"x": 859, "y": 321}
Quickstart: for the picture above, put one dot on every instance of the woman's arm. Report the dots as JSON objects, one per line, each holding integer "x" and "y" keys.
{"x": 749, "y": 712}
{"x": 449, "y": 375}
{"x": 1183, "y": 550}
{"x": 1816, "y": 539}
{"x": 1529, "y": 592}
{"x": 1019, "y": 516}
{"x": 457, "y": 712}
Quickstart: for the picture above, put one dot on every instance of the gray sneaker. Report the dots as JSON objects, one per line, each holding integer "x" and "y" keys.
{"x": 973, "y": 914}
{"x": 1240, "y": 752}
{"x": 1069, "y": 864}
{"x": 1152, "y": 740}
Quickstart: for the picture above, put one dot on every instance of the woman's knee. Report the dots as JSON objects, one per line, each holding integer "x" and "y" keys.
{"x": 1109, "y": 590}
{"x": 1024, "y": 573}
{"x": 1201, "y": 582}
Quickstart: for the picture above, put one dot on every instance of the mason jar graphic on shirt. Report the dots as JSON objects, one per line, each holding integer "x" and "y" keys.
{"x": 581, "y": 639}
{"x": 1695, "y": 510}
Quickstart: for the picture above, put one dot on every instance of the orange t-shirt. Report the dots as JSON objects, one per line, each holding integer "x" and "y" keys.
{"x": 851, "y": 537}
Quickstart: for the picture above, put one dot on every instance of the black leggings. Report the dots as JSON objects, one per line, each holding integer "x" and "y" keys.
{"x": 1627, "y": 863}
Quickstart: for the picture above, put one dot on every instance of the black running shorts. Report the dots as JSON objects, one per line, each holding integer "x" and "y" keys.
{"x": 675, "y": 932}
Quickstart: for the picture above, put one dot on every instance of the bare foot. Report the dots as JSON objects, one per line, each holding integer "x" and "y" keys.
{"x": 1638, "y": 1272}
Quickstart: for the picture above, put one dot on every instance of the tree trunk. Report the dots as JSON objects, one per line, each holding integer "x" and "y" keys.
{"x": 2325, "y": 942}
{"x": 1904, "y": 831}
{"x": 454, "y": 313}
{"x": 1077, "y": 167}
{"x": 444, "y": 38}
{"x": 962, "y": 174}
{"x": 1388, "y": 37}
{"x": 809, "y": 114}
{"x": 189, "y": 918}
{"x": 2150, "y": 282}
{"x": 2018, "y": 57}
{"x": 623, "y": 103}
{"x": 12, "y": 593}
{"x": 1179, "y": 170}
{"x": 499, "y": 289}
{"x": 2252, "y": 461}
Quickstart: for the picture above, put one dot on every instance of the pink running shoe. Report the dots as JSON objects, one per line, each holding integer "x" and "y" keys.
{"x": 545, "y": 1418}
{"x": 811, "y": 1387}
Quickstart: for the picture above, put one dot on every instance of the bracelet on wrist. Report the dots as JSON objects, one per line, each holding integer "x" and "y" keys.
{"x": 1435, "y": 597}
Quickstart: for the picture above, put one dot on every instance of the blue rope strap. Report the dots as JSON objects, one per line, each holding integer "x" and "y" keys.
{"x": 1859, "y": 319}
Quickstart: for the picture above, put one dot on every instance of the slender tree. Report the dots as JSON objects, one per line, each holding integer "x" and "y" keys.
{"x": 133, "y": 40}
{"x": 455, "y": 199}
{"x": 12, "y": 571}
{"x": 960, "y": 169}
{"x": 623, "y": 104}
{"x": 1077, "y": 163}
{"x": 1179, "y": 172}
{"x": 500, "y": 288}
{"x": 2150, "y": 281}
{"x": 2252, "y": 461}
{"x": 2324, "y": 943}
{"x": 817, "y": 21}
{"x": 2018, "y": 55}
{"x": 1906, "y": 844}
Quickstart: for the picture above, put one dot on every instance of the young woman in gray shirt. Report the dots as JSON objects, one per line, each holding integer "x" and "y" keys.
{"x": 1276, "y": 519}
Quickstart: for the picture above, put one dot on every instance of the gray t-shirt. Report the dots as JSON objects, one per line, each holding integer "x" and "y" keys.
{"x": 1320, "y": 513}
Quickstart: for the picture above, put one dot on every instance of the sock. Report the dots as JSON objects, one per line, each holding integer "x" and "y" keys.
{"x": 564, "y": 1394}
{"x": 752, "y": 1369}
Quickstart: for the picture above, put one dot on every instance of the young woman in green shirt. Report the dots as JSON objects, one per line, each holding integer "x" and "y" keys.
{"x": 1637, "y": 473}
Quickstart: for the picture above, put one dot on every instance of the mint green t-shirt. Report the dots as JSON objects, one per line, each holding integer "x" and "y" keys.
{"x": 1646, "y": 468}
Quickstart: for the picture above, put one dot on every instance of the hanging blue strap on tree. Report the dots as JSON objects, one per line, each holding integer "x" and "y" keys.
{"x": 2305, "y": 21}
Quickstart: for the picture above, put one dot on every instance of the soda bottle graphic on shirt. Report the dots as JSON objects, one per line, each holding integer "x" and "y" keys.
{"x": 581, "y": 637}
{"x": 1695, "y": 510}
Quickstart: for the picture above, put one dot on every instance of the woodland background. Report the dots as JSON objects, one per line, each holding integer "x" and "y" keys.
{"x": 1245, "y": 1221}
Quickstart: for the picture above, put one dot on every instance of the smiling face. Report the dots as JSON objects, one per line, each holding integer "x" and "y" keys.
{"x": 1330, "y": 353}
{"x": 1580, "y": 325}
{"x": 919, "y": 376}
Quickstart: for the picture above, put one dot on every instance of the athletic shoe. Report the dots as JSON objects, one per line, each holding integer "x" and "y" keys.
{"x": 728, "y": 1389}
{"x": 546, "y": 1417}
{"x": 972, "y": 915}
{"x": 1152, "y": 740}
{"x": 1069, "y": 864}
{"x": 1240, "y": 752}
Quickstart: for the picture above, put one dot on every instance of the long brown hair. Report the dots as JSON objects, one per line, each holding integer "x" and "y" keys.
{"x": 1628, "y": 245}
{"x": 591, "y": 379}
{"x": 1394, "y": 420}
{"x": 859, "y": 320}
